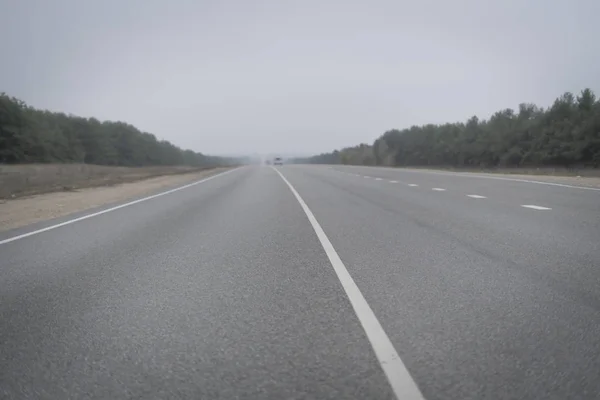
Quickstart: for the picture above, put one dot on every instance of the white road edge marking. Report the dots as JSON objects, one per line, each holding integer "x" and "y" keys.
{"x": 474, "y": 175}
{"x": 402, "y": 384}
{"x": 438, "y": 189}
{"x": 532, "y": 206}
{"x": 476, "y": 196}
{"x": 72, "y": 221}
{"x": 532, "y": 181}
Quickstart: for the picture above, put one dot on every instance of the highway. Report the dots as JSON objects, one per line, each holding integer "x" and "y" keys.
{"x": 310, "y": 282}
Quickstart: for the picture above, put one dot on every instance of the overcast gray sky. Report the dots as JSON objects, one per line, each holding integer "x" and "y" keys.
{"x": 293, "y": 76}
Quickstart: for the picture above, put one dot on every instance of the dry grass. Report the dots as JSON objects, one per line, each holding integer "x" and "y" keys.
{"x": 30, "y": 179}
{"x": 23, "y": 211}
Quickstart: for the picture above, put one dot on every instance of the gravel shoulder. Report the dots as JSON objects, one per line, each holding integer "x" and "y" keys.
{"x": 28, "y": 210}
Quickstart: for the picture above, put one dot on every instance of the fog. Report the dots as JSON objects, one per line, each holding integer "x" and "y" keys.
{"x": 238, "y": 77}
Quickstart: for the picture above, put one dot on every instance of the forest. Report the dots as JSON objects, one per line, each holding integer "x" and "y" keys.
{"x": 567, "y": 134}
{"x": 29, "y": 135}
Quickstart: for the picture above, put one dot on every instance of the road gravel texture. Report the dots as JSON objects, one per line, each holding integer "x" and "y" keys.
{"x": 222, "y": 290}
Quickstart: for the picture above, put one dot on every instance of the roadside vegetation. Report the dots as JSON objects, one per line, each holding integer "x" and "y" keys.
{"x": 565, "y": 135}
{"x": 29, "y": 179}
{"x": 29, "y": 135}
{"x": 43, "y": 151}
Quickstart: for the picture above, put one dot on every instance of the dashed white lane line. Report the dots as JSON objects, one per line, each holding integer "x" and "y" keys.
{"x": 474, "y": 175}
{"x": 534, "y": 207}
{"x": 398, "y": 376}
{"x": 473, "y": 196}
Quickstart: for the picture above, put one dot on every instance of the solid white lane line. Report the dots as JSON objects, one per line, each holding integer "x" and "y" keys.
{"x": 532, "y": 181}
{"x": 475, "y": 175}
{"x": 412, "y": 184}
{"x": 476, "y": 196}
{"x": 534, "y": 207}
{"x": 378, "y": 179}
{"x": 393, "y": 181}
{"x": 72, "y": 221}
{"x": 438, "y": 189}
{"x": 402, "y": 384}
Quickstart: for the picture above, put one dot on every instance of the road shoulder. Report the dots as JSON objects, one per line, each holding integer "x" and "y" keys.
{"x": 25, "y": 211}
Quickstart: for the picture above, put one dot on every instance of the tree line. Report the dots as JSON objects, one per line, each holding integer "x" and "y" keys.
{"x": 567, "y": 134}
{"x": 29, "y": 135}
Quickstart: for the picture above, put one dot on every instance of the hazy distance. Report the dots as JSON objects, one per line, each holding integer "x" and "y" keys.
{"x": 296, "y": 78}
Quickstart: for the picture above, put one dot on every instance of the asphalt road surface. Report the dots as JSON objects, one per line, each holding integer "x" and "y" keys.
{"x": 310, "y": 282}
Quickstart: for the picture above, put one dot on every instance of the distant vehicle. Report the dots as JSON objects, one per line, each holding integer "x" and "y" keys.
{"x": 278, "y": 161}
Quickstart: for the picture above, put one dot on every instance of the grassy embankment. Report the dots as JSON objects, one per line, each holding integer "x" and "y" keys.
{"x": 29, "y": 179}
